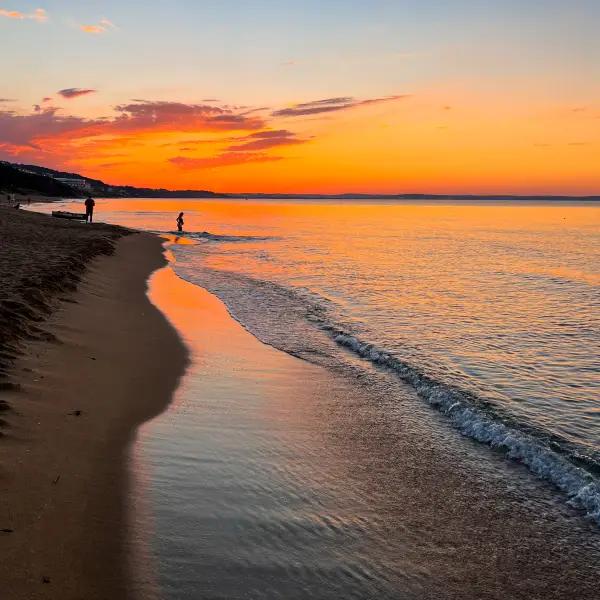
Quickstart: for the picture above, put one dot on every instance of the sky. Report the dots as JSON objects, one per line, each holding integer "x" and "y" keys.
{"x": 374, "y": 96}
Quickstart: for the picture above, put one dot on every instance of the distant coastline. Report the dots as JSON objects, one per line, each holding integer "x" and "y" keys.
{"x": 35, "y": 180}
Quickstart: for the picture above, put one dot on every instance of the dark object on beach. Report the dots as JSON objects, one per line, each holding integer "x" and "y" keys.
{"x": 45, "y": 579}
{"x": 17, "y": 206}
{"x": 179, "y": 222}
{"x": 55, "y": 480}
{"x": 89, "y": 209}
{"x": 7, "y": 530}
{"x": 75, "y": 413}
{"x": 63, "y": 214}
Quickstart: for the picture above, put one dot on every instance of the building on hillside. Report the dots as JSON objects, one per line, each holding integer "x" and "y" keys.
{"x": 78, "y": 184}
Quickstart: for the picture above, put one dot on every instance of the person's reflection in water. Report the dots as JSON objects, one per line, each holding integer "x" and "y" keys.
{"x": 180, "y": 222}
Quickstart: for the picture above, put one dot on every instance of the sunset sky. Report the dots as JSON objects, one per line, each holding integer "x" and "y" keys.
{"x": 443, "y": 96}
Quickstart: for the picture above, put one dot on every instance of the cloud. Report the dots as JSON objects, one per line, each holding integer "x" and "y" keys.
{"x": 330, "y": 105}
{"x": 70, "y": 93}
{"x": 47, "y": 133}
{"x": 38, "y": 134}
{"x": 184, "y": 117}
{"x": 263, "y": 140}
{"x": 244, "y": 150}
{"x": 340, "y": 101}
{"x": 39, "y": 15}
{"x": 7, "y": 100}
{"x": 92, "y": 28}
{"x": 226, "y": 159}
{"x": 46, "y": 130}
{"x": 23, "y": 129}
{"x": 103, "y": 26}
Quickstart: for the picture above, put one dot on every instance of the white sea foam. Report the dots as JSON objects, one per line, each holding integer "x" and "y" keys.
{"x": 581, "y": 486}
{"x": 216, "y": 237}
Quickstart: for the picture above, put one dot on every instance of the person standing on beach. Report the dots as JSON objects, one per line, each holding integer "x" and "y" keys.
{"x": 89, "y": 209}
{"x": 180, "y": 222}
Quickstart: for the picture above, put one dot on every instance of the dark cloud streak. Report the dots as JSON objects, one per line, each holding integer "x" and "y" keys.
{"x": 70, "y": 93}
{"x": 330, "y": 105}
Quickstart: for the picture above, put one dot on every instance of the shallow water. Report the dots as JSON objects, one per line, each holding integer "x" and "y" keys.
{"x": 270, "y": 477}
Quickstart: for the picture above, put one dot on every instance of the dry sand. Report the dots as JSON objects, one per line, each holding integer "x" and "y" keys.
{"x": 63, "y": 472}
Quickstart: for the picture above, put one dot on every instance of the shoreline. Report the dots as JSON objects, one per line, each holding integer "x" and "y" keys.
{"x": 110, "y": 354}
{"x": 274, "y": 474}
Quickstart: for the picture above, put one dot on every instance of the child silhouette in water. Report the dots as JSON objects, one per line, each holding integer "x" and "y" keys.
{"x": 180, "y": 222}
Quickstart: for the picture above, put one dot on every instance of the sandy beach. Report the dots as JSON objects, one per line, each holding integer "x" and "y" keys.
{"x": 83, "y": 368}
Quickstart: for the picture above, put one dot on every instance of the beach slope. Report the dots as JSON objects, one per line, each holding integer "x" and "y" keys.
{"x": 107, "y": 361}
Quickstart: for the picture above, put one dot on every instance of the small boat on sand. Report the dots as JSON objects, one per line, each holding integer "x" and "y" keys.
{"x": 63, "y": 214}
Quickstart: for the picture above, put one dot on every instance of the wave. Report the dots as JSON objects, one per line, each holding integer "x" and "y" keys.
{"x": 484, "y": 426}
{"x": 295, "y": 320}
{"x": 216, "y": 237}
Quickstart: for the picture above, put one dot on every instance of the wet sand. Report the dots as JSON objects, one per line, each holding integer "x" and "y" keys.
{"x": 107, "y": 362}
{"x": 270, "y": 477}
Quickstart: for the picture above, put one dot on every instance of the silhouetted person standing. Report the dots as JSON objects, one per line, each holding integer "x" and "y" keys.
{"x": 180, "y": 222}
{"x": 89, "y": 209}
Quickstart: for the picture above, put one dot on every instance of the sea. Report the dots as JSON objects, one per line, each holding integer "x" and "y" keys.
{"x": 485, "y": 312}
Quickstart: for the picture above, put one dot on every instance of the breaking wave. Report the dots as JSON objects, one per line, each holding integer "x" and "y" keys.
{"x": 547, "y": 458}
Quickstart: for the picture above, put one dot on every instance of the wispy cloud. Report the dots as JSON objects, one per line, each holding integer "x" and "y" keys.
{"x": 340, "y": 101}
{"x": 70, "y": 93}
{"x": 103, "y": 26}
{"x": 39, "y": 15}
{"x": 331, "y": 105}
{"x": 263, "y": 140}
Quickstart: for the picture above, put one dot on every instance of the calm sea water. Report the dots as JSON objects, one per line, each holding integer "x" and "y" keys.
{"x": 490, "y": 312}
{"x": 500, "y": 301}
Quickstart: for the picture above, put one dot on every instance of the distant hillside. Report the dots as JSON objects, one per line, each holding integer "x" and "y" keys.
{"x": 95, "y": 187}
{"x": 15, "y": 181}
{"x": 33, "y": 179}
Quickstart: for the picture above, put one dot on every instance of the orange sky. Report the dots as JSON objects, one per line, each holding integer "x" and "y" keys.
{"x": 475, "y": 108}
